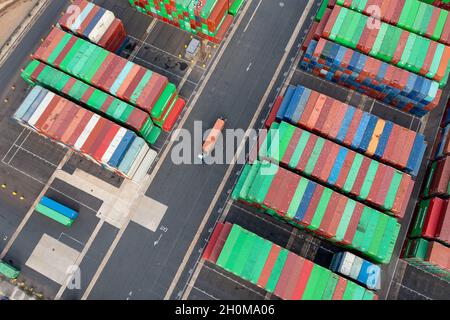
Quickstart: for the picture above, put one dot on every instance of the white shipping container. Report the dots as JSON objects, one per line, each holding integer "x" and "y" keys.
{"x": 40, "y": 109}
{"x": 86, "y": 132}
{"x": 347, "y": 263}
{"x": 143, "y": 169}
{"x": 101, "y": 27}
{"x": 113, "y": 146}
{"x": 356, "y": 268}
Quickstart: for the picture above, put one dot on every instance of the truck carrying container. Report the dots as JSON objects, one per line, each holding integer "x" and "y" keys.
{"x": 277, "y": 270}
{"x": 357, "y": 269}
{"x": 429, "y": 256}
{"x": 81, "y": 130}
{"x": 209, "y": 19}
{"x": 390, "y": 44}
{"x": 96, "y": 100}
{"x": 412, "y": 15}
{"x": 437, "y": 182}
{"x": 399, "y": 88}
{"x": 320, "y": 210}
{"x": 338, "y": 167}
{"x": 91, "y": 22}
{"x": 432, "y": 221}
{"x": 123, "y": 79}
{"x": 353, "y": 128}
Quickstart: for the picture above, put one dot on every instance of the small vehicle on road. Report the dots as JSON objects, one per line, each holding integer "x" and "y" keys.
{"x": 210, "y": 142}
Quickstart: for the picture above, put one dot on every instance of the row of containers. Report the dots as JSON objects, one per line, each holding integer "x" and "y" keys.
{"x": 277, "y": 270}
{"x": 96, "y": 138}
{"x": 56, "y": 211}
{"x": 93, "y": 101}
{"x": 439, "y": 3}
{"x": 382, "y": 58}
{"x": 209, "y": 19}
{"x": 428, "y": 244}
{"x": 96, "y": 24}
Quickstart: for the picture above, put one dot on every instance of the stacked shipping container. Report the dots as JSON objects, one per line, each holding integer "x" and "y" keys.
{"x": 430, "y": 256}
{"x": 353, "y": 128}
{"x": 439, "y": 3}
{"x": 360, "y": 270}
{"x": 96, "y": 100}
{"x": 209, "y": 19}
{"x": 277, "y": 270}
{"x": 326, "y": 213}
{"x": 437, "y": 182}
{"x": 338, "y": 167}
{"x": 56, "y": 211}
{"x": 115, "y": 75}
{"x": 93, "y": 23}
{"x": 411, "y": 15}
{"x": 94, "y": 137}
{"x": 402, "y": 89}
{"x": 432, "y": 221}
{"x": 388, "y": 43}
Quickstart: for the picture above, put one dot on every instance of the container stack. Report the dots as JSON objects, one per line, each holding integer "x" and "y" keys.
{"x": 445, "y": 4}
{"x": 96, "y": 138}
{"x": 432, "y": 221}
{"x": 326, "y": 213}
{"x": 98, "y": 25}
{"x": 123, "y": 79}
{"x": 397, "y": 87}
{"x": 412, "y": 15}
{"x": 358, "y": 130}
{"x": 429, "y": 256}
{"x": 437, "y": 182}
{"x": 336, "y": 166}
{"x": 388, "y": 43}
{"x": 94, "y": 99}
{"x": 402, "y": 60}
{"x": 57, "y": 211}
{"x": 276, "y": 269}
{"x": 209, "y": 19}
{"x": 357, "y": 269}
{"x": 442, "y": 147}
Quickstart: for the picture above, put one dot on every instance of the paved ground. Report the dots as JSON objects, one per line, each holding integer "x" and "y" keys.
{"x": 143, "y": 264}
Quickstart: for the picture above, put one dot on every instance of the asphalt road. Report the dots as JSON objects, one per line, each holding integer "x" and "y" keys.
{"x": 140, "y": 270}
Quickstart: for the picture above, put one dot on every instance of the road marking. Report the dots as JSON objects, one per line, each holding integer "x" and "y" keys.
{"x": 249, "y": 66}
{"x": 31, "y": 210}
{"x": 15, "y": 143}
{"x": 166, "y": 152}
{"x": 81, "y": 256}
{"x": 241, "y": 146}
{"x": 147, "y": 32}
{"x": 253, "y": 15}
{"x": 205, "y": 293}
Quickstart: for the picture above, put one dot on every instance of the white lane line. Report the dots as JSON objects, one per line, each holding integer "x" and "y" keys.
{"x": 15, "y": 143}
{"x": 51, "y": 164}
{"x": 253, "y": 15}
{"x": 249, "y": 66}
{"x": 148, "y": 33}
{"x": 205, "y": 293}
{"x": 240, "y": 148}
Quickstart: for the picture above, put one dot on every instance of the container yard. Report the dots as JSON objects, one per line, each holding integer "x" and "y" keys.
{"x": 337, "y": 188}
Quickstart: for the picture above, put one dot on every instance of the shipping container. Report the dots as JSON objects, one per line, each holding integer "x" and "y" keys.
{"x": 318, "y": 209}
{"x": 399, "y": 88}
{"x": 412, "y": 15}
{"x": 429, "y": 256}
{"x": 357, "y": 269}
{"x": 208, "y": 19}
{"x": 123, "y": 79}
{"x": 437, "y": 181}
{"x": 275, "y": 269}
{"x": 8, "y": 271}
{"x": 390, "y": 44}
{"x": 96, "y": 100}
{"x": 322, "y": 160}
{"x": 92, "y": 136}
{"x": 58, "y": 207}
{"x": 91, "y": 22}
{"x": 372, "y": 140}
